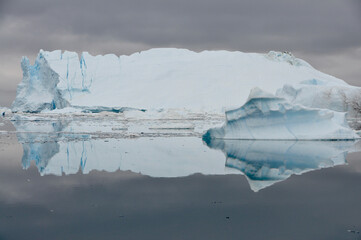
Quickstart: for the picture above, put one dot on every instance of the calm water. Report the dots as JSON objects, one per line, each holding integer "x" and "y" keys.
{"x": 53, "y": 187}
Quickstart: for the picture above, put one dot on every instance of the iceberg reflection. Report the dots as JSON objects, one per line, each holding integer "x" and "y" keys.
{"x": 265, "y": 163}
{"x": 156, "y": 157}
{"x": 57, "y": 150}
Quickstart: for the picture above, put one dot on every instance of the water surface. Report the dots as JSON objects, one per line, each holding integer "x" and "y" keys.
{"x": 60, "y": 185}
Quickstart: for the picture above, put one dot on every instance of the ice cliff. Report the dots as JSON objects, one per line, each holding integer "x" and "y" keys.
{"x": 161, "y": 79}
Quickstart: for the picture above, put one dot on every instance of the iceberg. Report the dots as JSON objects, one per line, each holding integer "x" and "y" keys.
{"x": 268, "y": 117}
{"x": 208, "y": 81}
{"x": 302, "y": 103}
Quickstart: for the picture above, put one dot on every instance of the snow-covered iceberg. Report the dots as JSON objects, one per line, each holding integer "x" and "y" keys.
{"x": 211, "y": 81}
{"x": 268, "y": 117}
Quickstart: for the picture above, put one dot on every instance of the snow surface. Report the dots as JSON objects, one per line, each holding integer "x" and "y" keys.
{"x": 268, "y": 117}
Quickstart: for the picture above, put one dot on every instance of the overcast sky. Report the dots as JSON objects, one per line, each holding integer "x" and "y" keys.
{"x": 326, "y": 33}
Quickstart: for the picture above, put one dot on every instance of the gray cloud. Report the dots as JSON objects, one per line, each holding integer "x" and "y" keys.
{"x": 322, "y": 26}
{"x": 316, "y": 29}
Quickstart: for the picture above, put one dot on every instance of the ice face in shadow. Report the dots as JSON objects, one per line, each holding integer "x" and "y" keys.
{"x": 265, "y": 163}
